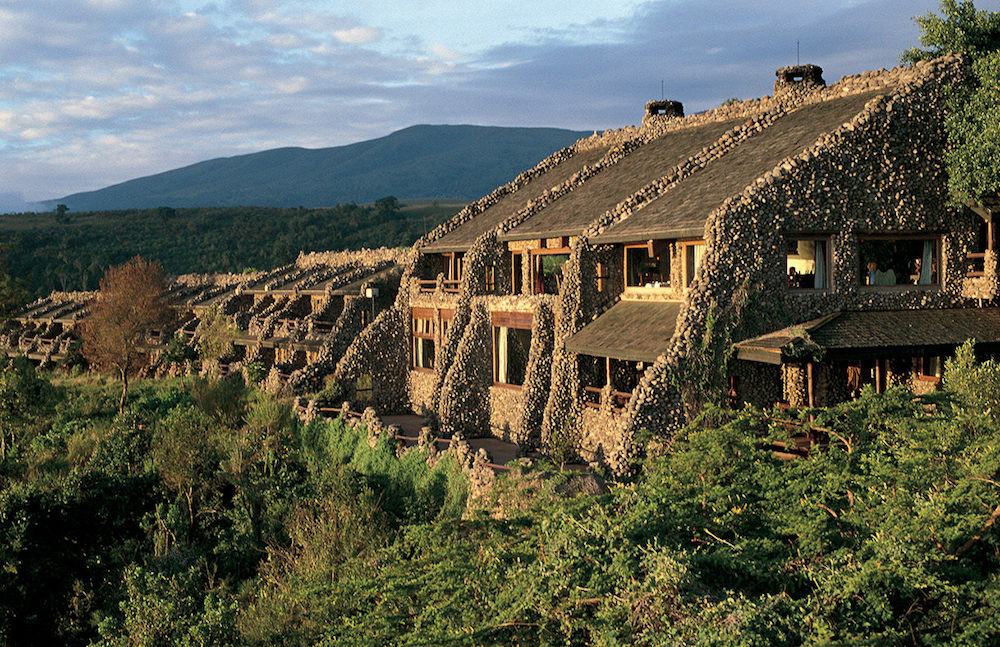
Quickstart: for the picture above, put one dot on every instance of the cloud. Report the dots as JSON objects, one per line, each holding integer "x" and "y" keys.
{"x": 95, "y": 92}
{"x": 358, "y": 35}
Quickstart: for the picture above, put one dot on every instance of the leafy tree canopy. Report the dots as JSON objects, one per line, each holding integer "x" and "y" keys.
{"x": 131, "y": 302}
{"x": 960, "y": 29}
{"x": 973, "y": 116}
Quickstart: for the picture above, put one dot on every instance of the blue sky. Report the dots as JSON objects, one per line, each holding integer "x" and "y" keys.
{"x": 94, "y": 92}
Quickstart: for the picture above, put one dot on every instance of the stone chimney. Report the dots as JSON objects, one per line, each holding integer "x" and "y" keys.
{"x": 798, "y": 79}
{"x": 666, "y": 109}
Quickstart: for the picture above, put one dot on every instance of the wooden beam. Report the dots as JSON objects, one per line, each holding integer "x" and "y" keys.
{"x": 810, "y": 384}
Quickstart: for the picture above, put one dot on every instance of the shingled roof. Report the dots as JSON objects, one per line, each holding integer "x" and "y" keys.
{"x": 461, "y": 238}
{"x": 570, "y": 214}
{"x": 684, "y": 208}
{"x": 897, "y": 332}
{"x": 637, "y": 331}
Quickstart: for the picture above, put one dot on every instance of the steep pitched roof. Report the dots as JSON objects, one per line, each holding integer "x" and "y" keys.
{"x": 889, "y": 332}
{"x": 637, "y": 331}
{"x": 461, "y": 238}
{"x": 684, "y": 208}
{"x": 572, "y": 213}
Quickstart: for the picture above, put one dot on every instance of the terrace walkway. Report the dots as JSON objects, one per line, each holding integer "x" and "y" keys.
{"x": 499, "y": 452}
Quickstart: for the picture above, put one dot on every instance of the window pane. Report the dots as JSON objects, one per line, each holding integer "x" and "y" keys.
{"x": 645, "y": 271}
{"x": 548, "y": 273}
{"x": 693, "y": 255}
{"x": 899, "y": 262}
{"x": 806, "y": 264}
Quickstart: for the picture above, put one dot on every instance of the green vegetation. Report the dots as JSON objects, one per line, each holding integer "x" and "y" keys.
{"x": 50, "y": 255}
{"x": 973, "y": 116}
{"x": 204, "y": 513}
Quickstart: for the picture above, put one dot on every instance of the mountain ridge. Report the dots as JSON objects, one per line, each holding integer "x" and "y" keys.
{"x": 461, "y": 162}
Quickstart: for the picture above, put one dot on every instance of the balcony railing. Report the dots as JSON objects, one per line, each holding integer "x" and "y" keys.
{"x": 426, "y": 285}
{"x": 451, "y": 286}
{"x": 975, "y": 264}
{"x": 592, "y": 397}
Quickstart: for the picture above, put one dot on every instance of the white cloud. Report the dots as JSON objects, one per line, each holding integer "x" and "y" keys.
{"x": 358, "y": 35}
{"x": 100, "y": 91}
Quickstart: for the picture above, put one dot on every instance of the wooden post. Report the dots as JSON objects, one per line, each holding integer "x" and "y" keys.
{"x": 878, "y": 376}
{"x": 809, "y": 384}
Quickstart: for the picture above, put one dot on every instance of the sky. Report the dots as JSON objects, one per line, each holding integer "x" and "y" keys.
{"x": 95, "y": 92}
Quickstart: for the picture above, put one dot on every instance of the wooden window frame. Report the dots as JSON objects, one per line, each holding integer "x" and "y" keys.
{"x": 535, "y": 264}
{"x": 937, "y": 284}
{"x": 682, "y": 250}
{"x": 421, "y": 314}
{"x": 825, "y": 238}
{"x": 515, "y": 320}
{"x": 922, "y": 375}
{"x": 650, "y": 247}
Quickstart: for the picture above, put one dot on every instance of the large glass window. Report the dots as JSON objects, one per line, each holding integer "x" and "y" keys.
{"x": 510, "y": 351}
{"x": 900, "y": 261}
{"x": 807, "y": 264}
{"x": 423, "y": 342}
{"x": 647, "y": 265}
{"x": 693, "y": 253}
{"x": 548, "y": 272}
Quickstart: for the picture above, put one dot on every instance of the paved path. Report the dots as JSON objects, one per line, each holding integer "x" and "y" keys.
{"x": 499, "y": 451}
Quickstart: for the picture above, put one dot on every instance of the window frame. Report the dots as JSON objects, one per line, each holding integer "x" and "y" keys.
{"x": 536, "y": 265}
{"x": 429, "y": 316}
{"x": 936, "y": 284}
{"x": 650, "y": 246}
{"x": 508, "y": 321}
{"x": 682, "y": 247}
{"x": 824, "y": 238}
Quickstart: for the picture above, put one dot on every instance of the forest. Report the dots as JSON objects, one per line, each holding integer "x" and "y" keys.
{"x": 205, "y": 513}
{"x": 70, "y": 251}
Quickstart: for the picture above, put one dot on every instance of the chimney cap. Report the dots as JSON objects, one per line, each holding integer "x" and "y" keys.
{"x": 664, "y": 108}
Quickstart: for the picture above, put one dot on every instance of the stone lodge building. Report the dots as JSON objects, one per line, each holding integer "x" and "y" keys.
{"x": 793, "y": 248}
{"x": 802, "y": 242}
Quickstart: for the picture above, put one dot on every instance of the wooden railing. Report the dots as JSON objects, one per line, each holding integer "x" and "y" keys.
{"x": 451, "y": 286}
{"x": 619, "y": 400}
{"x": 975, "y": 264}
{"x": 427, "y": 285}
{"x": 592, "y": 397}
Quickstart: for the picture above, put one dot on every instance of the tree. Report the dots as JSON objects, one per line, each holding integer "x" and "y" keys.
{"x": 21, "y": 392}
{"x": 972, "y": 118}
{"x": 961, "y": 29}
{"x": 131, "y": 302}
{"x": 214, "y": 335}
{"x": 13, "y": 292}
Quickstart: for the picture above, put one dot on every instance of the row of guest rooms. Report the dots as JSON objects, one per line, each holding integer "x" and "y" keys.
{"x": 663, "y": 270}
{"x": 668, "y": 267}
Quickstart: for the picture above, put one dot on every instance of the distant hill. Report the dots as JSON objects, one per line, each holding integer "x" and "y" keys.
{"x": 443, "y": 162}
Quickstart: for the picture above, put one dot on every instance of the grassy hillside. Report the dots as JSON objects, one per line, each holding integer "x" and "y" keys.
{"x": 71, "y": 253}
{"x": 450, "y": 162}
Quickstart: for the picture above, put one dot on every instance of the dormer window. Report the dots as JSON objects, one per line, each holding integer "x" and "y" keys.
{"x": 807, "y": 265}
{"x": 647, "y": 265}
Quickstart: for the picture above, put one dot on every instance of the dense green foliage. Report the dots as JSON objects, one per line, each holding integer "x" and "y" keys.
{"x": 960, "y": 28}
{"x": 973, "y": 126}
{"x": 973, "y": 116}
{"x": 73, "y": 254}
{"x": 205, "y": 514}
{"x": 446, "y": 162}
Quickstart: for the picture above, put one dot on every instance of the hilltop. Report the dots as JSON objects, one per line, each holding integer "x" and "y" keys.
{"x": 441, "y": 162}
